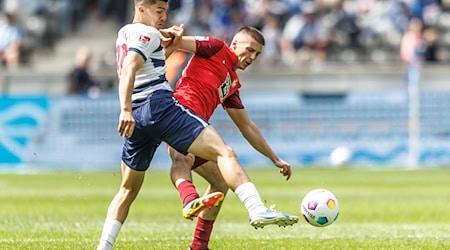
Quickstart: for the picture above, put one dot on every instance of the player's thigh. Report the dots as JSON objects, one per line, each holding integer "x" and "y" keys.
{"x": 209, "y": 145}
{"x": 211, "y": 173}
{"x": 131, "y": 179}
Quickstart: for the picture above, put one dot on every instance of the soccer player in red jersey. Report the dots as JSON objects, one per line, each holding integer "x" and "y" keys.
{"x": 210, "y": 79}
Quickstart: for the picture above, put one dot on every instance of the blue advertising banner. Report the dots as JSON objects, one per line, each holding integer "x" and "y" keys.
{"x": 21, "y": 118}
{"x": 358, "y": 129}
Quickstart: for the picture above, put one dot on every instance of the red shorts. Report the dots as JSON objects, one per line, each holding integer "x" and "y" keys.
{"x": 198, "y": 161}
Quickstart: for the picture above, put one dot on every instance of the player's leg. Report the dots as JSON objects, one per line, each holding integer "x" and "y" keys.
{"x": 205, "y": 222}
{"x": 188, "y": 133}
{"x": 137, "y": 153}
{"x": 118, "y": 209}
{"x": 209, "y": 145}
{"x": 211, "y": 173}
{"x": 181, "y": 177}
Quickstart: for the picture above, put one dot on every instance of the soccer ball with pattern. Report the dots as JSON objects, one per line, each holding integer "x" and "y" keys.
{"x": 320, "y": 207}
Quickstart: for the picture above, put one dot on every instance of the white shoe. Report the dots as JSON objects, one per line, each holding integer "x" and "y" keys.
{"x": 272, "y": 217}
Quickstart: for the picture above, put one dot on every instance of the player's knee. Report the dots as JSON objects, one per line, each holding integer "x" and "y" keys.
{"x": 128, "y": 192}
{"x": 228, "y": 152}
{"x": 182, "y": 162}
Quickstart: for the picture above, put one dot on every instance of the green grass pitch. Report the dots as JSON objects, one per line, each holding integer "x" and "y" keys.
{"x": 379, "y": 209}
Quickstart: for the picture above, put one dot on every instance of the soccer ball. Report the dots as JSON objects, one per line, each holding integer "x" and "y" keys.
{"x": 320, "y": 207}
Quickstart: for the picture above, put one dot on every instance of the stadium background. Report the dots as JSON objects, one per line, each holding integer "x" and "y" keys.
{"x": 358, "y": 98}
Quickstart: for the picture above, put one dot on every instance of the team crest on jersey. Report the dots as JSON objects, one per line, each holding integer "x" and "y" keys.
{"x": 224, "y": 88}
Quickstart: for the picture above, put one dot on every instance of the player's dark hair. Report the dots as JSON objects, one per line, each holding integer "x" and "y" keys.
{"x": 254, "y": 33}
{"x": 147, "y": 2}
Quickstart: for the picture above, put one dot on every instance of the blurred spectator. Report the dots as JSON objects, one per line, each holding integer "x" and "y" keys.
{"x": 11, "y": 36}
{"x": 431, "y": 44}
{"x": 304, "y": 37}
{"x": 426, "y": 10}
{"x": 80, "y": 80}
{"x": 226, "y": 18}
{"x": 272, "y": 33}
{"x": 419, "y": 41}
{"x": 116, "y": 9}
{"x": 195, "y": 15}
{"x": 292, "y": 5}
{"x": 399, "y": 13}
{"x": 181, "y": 12}
{"x": 258, "y": 10}
{"x": 411, "y": 43}
{"x": 344, "y": 25}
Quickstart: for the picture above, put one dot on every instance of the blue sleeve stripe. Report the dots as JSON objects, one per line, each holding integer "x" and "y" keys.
{"x": 139, "y": 52}
{"x": 158, "y": 49}
{"x": 161, "y": 79}
{"x": 158, "y": 62}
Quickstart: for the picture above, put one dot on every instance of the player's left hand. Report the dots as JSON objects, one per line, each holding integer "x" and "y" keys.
{"x": 285, "y": 168}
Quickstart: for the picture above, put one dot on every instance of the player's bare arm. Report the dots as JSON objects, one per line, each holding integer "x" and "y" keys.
{"x": 188, "y": 44}
{"x": 133, "y": 61}
{"x": 254, "y": 136}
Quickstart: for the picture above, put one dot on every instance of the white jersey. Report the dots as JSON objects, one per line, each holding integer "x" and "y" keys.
{"x": 144, "y": 40}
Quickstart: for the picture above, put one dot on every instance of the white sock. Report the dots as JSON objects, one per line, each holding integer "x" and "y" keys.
{"x": 110, "y": 231}
{"x": 249, "y": 196}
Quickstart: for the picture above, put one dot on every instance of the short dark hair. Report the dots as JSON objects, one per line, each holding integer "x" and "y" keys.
{"x": 254, "y": 33}
{"x": 147, "y": 2}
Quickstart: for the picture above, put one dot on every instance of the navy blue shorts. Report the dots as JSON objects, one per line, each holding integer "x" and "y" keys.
{"x": 160, "y": 118}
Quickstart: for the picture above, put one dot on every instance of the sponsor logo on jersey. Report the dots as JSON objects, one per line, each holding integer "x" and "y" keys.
{"x": 224, "y": 88}
{"x": 143, "y": 38}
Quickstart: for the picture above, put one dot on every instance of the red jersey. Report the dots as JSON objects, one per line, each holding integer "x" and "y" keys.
{"x": 209, "y": 79}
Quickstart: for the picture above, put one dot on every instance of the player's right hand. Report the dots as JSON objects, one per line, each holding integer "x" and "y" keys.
{"x": 285, "y": 168}
{"x": 126, "y": 124}
{"x": 171, "y": 35}
{"x": 166, "y": 37}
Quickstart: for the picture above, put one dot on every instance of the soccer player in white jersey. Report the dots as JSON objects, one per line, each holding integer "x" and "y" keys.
{"x": 149, "y": 114}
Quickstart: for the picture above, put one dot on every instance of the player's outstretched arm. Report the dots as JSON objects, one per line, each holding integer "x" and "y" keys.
{"x": 188, "y": 44}
{"x": 254, "y": 136}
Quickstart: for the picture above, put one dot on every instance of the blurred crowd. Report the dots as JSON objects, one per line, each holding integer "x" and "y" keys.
{"x": 39, "y": 24}
{"x": 316, "y": 31}
{"x": 296, "y": 31}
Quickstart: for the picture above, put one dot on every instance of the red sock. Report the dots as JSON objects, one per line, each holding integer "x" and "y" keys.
{"x": 187, "y": 192}
{"x": 202, "y": 233}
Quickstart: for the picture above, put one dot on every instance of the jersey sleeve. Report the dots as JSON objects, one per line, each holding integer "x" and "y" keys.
{"x": 208, "y": 46}
{"x": 144, "y": 42}
{"x": 234, "y": 102}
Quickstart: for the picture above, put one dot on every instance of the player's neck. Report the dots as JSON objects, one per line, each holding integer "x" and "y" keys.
{"x": 139, "y": 19}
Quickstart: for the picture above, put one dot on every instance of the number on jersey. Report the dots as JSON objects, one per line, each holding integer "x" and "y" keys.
{"x": 121, "y": 53}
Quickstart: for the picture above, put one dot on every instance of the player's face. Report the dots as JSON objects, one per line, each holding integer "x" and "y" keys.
{"x": 155, "y": 15}
{"x": 247, "y": 50}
